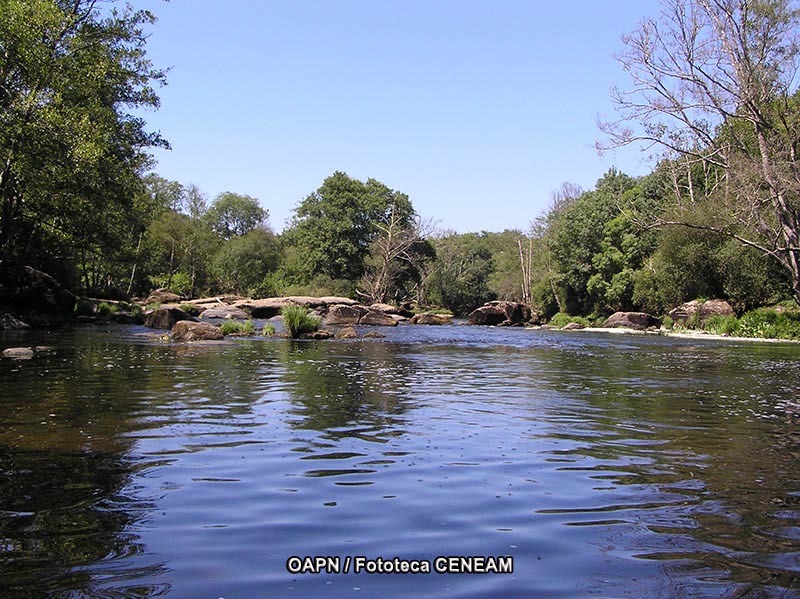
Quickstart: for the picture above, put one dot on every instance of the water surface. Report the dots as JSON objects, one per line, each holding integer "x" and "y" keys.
{"x": 604, "y": 465}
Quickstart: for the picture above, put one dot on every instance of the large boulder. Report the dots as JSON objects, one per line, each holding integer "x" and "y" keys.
{"x": 341, "y": 314}
{"x": 187, "y": 330}
{"x": 164, "y": 318}
{"x": 162, "y": 296}
{"x": 34, "y": 297}
{"x": 430, "y": 319}
{"x": 704, "y": 310}
{"x": 500, "y": 313}
{"x": 638, "y": 321}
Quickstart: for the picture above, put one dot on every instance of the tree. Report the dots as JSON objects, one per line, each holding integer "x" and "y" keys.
{"x": 71, "y": 151}
{"x": 232, "y": 214}
{"x": 714, "y": 93}
{"x": 460, "y": 277}
{"x": 334, "y": 227}
{"x": 242, "y": 262}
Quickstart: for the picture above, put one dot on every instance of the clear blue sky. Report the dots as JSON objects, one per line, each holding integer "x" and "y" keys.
{"x": 477, "y": 110}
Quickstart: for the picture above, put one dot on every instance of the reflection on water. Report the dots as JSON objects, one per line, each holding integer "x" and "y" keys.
{"x": 605, "y": 466}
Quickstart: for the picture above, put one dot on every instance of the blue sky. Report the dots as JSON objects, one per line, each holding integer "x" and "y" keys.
{"x": 477, "y": 110}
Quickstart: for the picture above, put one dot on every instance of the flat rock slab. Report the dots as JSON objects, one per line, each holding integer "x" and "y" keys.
{"x": 18, "y": 353}
{"x": 227, "y": 312}
{"x": 431, "y": 319}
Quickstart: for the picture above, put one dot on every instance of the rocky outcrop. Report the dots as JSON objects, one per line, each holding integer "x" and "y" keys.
{"x": 430, "y": 319}
{"x": 355, "y": 314}
{"x": 638, "y": 321}
{"x": 187, "y": 330}
{"x": 703, "y": 310}
{"x": 501, "y": 313}
{"x": 269, "y": 307}
{"x": 164, "y": 318}
{"x": 572, "y": 326}
{"x": 33, "y": 297}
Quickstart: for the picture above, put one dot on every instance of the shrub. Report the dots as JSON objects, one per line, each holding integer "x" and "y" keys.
{"x": 298, "y": 320}
{"x": 269, "y": 329}
{"x": 561, "y": 320}
{"x": 668, "y": 323}
{"x": 104, "y": 309}
{"x": 769, "y": 324}
{"x": 233, "y": 327}
{"x": 722, "y": 325}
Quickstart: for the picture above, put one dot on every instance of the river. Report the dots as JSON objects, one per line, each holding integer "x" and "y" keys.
{"x": 596, "y": 465}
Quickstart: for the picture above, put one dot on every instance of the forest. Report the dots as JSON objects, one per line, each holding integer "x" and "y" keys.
{"x": 713, "y": 95}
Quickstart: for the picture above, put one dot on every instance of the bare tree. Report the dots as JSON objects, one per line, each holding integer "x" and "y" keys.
{"x": 715, "y": 96}
{"x": 392, "y": 251}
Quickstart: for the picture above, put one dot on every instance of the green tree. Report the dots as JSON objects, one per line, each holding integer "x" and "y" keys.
{"x": 232, "y": 214}
{"x": 241, "y": 263}
{"x": 460, "y": 277}
{"x": 71, "y": 149}
{"x": 334, "y": 227}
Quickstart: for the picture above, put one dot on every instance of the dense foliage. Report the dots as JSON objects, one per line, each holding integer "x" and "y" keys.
{"x": 717, "y": 218}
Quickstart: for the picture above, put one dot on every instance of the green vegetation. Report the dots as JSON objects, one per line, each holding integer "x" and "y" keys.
{"x": 298, "y": 320}
{"x": 561, "y": 320}
{"x": 235, "y": 327}
{"x": 268, "y": 330}
{"x": 717, "y": 217}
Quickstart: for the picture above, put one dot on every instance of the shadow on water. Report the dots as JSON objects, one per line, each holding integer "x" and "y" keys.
{"x": 68, "y": 503}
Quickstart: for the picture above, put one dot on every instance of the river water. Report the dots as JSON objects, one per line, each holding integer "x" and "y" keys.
{"x": 601, "y": 465}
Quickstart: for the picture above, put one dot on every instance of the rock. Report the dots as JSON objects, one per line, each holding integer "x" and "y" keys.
{"x": 500, "y": 313}
{"x": 162, "y": 296}
{"x": 638, "y": 321}
{"x": 122, "y": 317}
{"x": 431, "y": 319}
{"x": 9, "y": 322}
{"x": 704, "y": 310}
{"x": 34, "y": 297}
{"x": 573, "y": 326}
{"x": 164, "y": 318}
{"x": 18, "y": 353}
{"x": 347, "y": 333}
{"x": 188, "y": 330}
{"x": 374, "y": 335}
{"x": 375, "y": 318}
{"x": 330, "y": 300}
{"x": 344, "y": 314}
{"x": 318, "y": 335}
{"x": 224, "y": 311}
{"x": 341, "y": 314}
